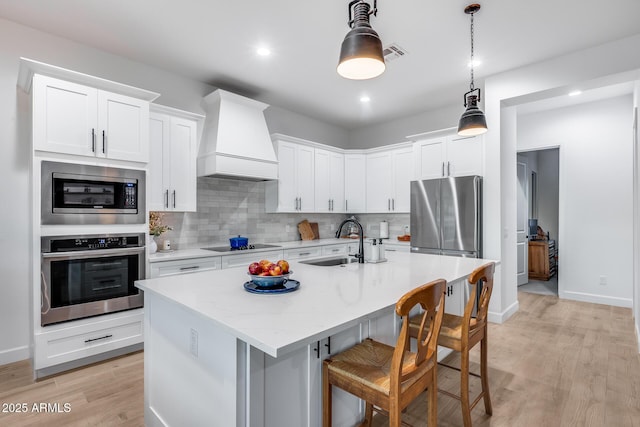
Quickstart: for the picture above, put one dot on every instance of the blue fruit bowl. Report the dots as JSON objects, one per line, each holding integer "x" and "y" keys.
{"x": 267, "y": 281}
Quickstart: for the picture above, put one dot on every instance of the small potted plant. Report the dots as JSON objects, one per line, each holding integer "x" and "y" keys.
{"x": 156, "y": 228}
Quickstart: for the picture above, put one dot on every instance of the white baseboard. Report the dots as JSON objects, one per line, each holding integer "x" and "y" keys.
{"x": 14, "y": 355}
{"x": 596, "y": 299}
{"x": 502, "y": 317}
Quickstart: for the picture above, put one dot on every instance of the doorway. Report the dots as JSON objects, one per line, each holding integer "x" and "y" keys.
{"x": 538, "y": 220}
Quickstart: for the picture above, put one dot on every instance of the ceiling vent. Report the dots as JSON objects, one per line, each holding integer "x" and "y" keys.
{"x": 393, "y": 52}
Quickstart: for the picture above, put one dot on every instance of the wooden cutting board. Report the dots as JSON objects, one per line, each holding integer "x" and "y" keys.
{"x": 305, "y": 230}
{"x": 314, "y": 228}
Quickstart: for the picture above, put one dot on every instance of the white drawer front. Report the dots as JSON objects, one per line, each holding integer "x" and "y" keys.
{"x": 303, "y": 253}
{"x": 170, "y": 268}
{"x": 340, "y": 249}
{"x": 248, "y": 257}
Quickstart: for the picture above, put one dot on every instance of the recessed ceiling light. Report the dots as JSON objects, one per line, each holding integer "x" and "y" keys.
{"x": 263, "y": 51}
{"x": 575, "y": 93}
{"x": 476, "y": 62}
{"x": 364, "y": 99}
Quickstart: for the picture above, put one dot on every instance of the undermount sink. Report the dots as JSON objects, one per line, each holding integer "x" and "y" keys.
{"x": 327, "y": 262}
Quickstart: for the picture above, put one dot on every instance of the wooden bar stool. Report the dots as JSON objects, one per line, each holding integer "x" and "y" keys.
{"x": 389, "y": 378}
{"x": 462, "y": 333}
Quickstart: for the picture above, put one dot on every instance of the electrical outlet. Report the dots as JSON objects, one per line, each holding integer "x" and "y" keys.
{"x": 193, "y": 343}
{"x": 333, "y": 227}
{"x": 287, "y": 228}
{"x": 603, "y": 280}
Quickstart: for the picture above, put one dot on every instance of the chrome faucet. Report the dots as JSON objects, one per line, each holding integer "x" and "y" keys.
{"x": 352, "y": 219}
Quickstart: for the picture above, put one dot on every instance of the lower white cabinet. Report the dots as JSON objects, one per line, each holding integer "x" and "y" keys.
{"x": 71, "y": 341}
{"x": 191, "y": 265}
{"x": 245, "y": 259}
{"x": 298, "y": 253}
{"x": 337, "y": 249}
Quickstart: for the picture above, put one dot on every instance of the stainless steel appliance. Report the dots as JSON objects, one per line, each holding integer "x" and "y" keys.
{"x": 84, "y": 276}
{"x": 446, "y": 216}
{"x": 84, "y": 194}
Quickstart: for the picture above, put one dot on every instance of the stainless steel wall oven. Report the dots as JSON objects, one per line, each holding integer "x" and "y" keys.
{"x": 85, "y": 194}
{"x": 84, "y": 276}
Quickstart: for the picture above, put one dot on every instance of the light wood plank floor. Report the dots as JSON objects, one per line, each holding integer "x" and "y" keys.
{"x": 554, "y": 363}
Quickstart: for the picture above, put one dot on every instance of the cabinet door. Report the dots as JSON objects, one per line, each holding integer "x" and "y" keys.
{"x": 336, "y": 181}
{"x": 355, "y": 183}
{"x": 287, "y": 189}
{"x": 158, "y": 182}
{"x": 402, "y": 176}
{"x": 124, "y": 127}
{"x": 182, "y": 165}
{"x": 64, "y": 116}
{"x": 464, "y": 156}
{"x": 322, "y": 183}
{"x": 379, "y": 182}
{"x": 305, "y": 178}
{"x": 430, "y": 158}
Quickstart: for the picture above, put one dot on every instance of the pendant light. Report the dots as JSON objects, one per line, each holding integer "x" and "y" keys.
{"x": 361, "y": 52}
{"x": 472, "y": 121}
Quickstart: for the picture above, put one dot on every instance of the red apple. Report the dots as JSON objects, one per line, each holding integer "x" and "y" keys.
{"x": 255, "y": 268}
{"x": 264, "y": 263}
{"x": 284, "y": 265}
{"x": 264, "y": 273}
{"x": 275, "y": 270}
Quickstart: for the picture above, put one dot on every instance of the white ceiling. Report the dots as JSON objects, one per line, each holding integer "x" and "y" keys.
{"x": 214, "y": 41}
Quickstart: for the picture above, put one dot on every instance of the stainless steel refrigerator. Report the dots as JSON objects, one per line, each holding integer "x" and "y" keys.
{"x": 446, "y": 216}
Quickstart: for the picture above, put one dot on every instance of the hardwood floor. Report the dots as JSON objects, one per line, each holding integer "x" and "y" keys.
{"x": 554, "y": 363}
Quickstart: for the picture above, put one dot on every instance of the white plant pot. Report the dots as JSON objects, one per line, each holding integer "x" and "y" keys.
{"x": 153, "y": 246}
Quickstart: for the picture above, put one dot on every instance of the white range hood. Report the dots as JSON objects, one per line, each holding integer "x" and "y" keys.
{"x": 236, "y": 141}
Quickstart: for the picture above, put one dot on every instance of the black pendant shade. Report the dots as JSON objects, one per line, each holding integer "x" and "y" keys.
{"x": 361, "y": 52}
{"x": 473, "y": 121}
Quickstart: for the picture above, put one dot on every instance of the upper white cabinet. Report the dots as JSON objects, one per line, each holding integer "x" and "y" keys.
{"x": 294, "y": 189}
{"x": 329, "y": 181}
{"x": 448, "y": 155}
{"x": 173, "y": 136}
{"x": 355, "y": 183}
{"x": 72, "y": 118}
{"x": 389, "y": 174}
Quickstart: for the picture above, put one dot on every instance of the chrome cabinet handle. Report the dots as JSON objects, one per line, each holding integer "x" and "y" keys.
{"x": 448, "y": 168}
{"x": 329, "y": 204}
{"x": 304, "y": 254}
{"x": 194, "y": 267}
{"x": 166, "y": 198}
{"x": 104, "y": 142}
{"x": 174, "y": 199}
{"x": 346, "y": 205}
{"x": 388, "y": 204}
{"x": 393, "y": 204}
{"x": 442, "y": 168}
{"x": 93, "y": 140}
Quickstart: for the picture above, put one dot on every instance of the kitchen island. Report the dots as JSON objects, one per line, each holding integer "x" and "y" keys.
{"x": 217, "y": 355}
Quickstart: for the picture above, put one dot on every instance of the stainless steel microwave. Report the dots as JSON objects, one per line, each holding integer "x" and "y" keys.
{"x": 85, "y": 194}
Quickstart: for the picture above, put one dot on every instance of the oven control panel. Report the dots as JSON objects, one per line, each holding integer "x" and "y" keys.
{"x": 87, "y": 243}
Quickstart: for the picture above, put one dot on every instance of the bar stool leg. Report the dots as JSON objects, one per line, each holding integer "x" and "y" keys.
{"x": 464, "y": 387}
{"x": 432, "y": 412}
{"x": 484, "y": 345}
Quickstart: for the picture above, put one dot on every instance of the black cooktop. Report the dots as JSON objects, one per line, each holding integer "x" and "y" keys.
{"x": 241, "y": 248}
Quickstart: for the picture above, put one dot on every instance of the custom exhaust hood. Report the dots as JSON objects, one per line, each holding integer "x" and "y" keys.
{"x": 236, "y": 141}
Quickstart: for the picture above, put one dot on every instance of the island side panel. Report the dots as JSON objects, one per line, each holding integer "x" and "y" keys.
{"x": 190, "y": 378}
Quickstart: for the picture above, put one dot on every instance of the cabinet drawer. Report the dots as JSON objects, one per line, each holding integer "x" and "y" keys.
{"x": 68, "y": 344}
{"x": 171, "y": 268}
{"x": 247, "y": 258}
{"x": 340, "y": 249}
{"x": 302, "y": 253}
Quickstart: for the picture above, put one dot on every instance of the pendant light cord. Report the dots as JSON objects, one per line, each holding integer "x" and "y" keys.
{"x": 471, "y": 85}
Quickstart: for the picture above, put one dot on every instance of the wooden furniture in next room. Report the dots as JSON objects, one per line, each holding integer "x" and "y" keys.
{"x": 542, "y": 259}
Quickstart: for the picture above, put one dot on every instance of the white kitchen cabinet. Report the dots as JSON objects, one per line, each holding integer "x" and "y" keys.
{"x": 183, "y": 266}
{"x": 294, "y": 189}
{"x": 329, "y": 181}
{"x": 355, "y": 182}
{"x": 390, "y": 246}
{"x": 247, "y": 257}
{"x": 448, "y": 155}
{"x": 299, "y": 253}
{"x": 337, "y": 249}
{"x": 389, "y": 174}
{"x": 172, "y": 164}
{"x": 72, "y": 118}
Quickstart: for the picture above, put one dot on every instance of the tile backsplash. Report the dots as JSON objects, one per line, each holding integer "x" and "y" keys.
{"x": 231, "y": 207}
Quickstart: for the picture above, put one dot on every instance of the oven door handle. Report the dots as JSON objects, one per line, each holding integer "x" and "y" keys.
{"x": 98, "y": 253}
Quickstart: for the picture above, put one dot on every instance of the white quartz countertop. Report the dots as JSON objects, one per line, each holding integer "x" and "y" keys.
{"x": 329, "y": 300}
{"x": 202, "y": 253}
